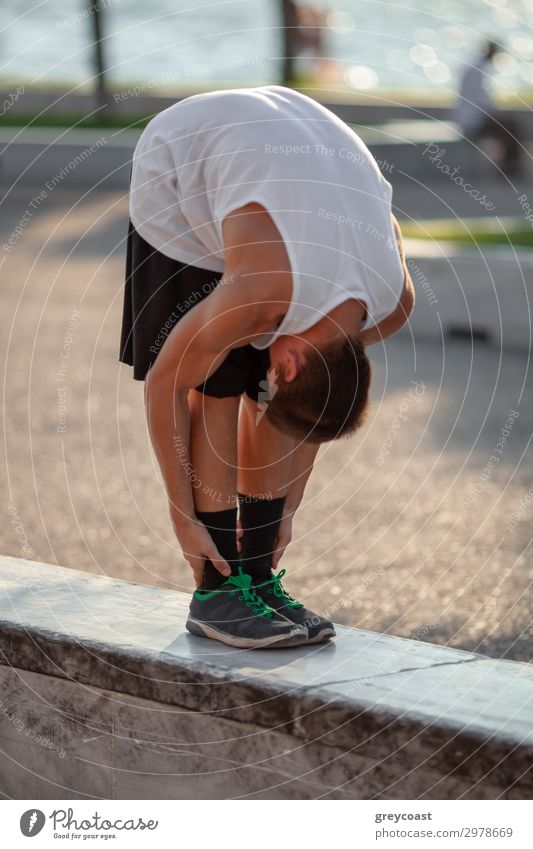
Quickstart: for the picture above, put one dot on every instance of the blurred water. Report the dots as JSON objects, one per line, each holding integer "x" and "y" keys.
{"x": 407, "y": 44}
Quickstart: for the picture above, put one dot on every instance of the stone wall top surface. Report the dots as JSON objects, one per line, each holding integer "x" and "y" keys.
{"x": 131, "y": 638}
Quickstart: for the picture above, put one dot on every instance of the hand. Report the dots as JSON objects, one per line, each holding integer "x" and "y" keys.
{"x": 283, "y": 539}
{"x": 197, "y": 547}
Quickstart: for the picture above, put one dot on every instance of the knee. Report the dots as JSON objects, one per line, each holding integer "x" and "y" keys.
{"x": 203, "y": 404}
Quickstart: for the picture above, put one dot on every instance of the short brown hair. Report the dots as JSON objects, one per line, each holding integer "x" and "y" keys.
{"x": 329, "y": 396}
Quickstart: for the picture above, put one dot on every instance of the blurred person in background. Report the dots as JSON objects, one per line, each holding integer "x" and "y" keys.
{"x": 312, "y": 63}
{"x": 305, "y": 44}
{"x": 479, "y": 116}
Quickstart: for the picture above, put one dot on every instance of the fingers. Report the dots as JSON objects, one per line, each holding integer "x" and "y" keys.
{"x": 276, "y": 557}
{"x": 277, "y": 554}
{"x": 279, "y": 549}
{"x": 197, "y": 565}
{"x": 218, "y": 562}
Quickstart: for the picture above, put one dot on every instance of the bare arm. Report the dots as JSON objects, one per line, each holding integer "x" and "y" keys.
{"x": 236, "y": 312}
{"x": 392, "y": 323}
{"x": 194, "y": 349}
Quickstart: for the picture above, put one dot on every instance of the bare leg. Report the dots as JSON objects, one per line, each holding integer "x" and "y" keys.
{"x": 213, "y": 451}
{"x": 272, "y": 465}
{"x": 265, "y": 455}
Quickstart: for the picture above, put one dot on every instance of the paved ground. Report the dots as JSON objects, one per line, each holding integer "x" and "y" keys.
{"x": 411, "y": 536}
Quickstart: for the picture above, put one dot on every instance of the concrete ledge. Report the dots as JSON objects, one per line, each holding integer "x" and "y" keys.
{"x": 106, "y": 695}
{"x": 95, "y": 158}
{"x": 481, "y": 294}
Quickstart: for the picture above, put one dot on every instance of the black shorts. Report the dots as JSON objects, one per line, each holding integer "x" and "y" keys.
{"x": 157, "y": 292}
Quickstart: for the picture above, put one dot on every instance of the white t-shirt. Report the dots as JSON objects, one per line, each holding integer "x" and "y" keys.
{"x": 211, "y": 153}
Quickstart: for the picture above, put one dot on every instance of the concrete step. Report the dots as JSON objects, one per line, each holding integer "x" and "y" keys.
{"x": 69, "y": 156}
{"x": 481, "y": 295}
{"x": 105, "y": 693}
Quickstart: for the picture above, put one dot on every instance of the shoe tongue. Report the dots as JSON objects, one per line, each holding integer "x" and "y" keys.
{"x": 263, "y": 578}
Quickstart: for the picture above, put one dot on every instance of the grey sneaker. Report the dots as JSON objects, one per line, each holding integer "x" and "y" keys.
{"x": 235, "y": 615}
{"x": 275, "y": 595}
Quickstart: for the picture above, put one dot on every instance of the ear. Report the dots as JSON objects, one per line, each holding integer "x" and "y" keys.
{"x": 292, "y": 362}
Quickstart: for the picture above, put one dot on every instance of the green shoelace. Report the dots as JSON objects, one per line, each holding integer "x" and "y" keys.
{"x": 280, "y": 592}
{"x": 243, "y": 584}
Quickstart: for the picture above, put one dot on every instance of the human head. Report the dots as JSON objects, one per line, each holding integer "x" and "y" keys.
{"x": 491, "y": 48}
{"x": 327, "y": 397}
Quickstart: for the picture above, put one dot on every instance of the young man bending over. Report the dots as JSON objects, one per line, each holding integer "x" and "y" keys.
{"x": 262, "y": 258}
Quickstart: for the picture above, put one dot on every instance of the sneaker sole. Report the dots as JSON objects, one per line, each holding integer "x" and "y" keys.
{"x": 203, "y": 629}
{"x": 324, "y": 634}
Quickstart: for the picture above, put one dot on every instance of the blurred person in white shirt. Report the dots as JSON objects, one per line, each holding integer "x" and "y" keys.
{"x": 479, "y": 116}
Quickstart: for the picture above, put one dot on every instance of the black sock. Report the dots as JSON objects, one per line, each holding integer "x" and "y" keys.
{"x": 222, "y": 526}
{"x": 260, "y": 520}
